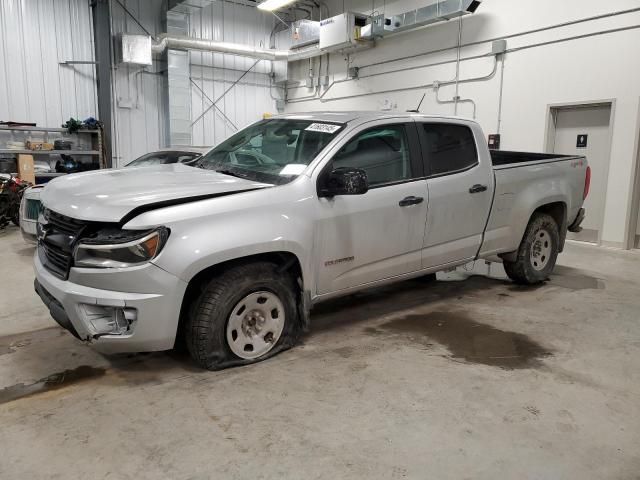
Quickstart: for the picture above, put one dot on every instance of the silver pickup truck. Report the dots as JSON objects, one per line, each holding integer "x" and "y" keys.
{"x": 230, "y": 256}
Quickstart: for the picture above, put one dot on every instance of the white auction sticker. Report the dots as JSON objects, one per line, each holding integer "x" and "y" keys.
{"x": 293, "y": 169}
{"x": 323, "y": 127}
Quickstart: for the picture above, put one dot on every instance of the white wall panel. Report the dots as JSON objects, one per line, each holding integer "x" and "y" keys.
{"x": 35, "y": 36}
{"x": 139, "y": 108}
{"x": 215, "y": 73}
{"x": 585, "y": 69}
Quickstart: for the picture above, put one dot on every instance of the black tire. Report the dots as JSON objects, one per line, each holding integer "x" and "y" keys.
{"x": 528, "y": 269}
{"x": 15, "y": 217}
{"x": 428, "y": 278}
{"x": 205, "y": 329}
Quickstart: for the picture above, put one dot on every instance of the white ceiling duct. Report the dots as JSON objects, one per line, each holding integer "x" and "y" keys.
{"x": 188, "y": 43}
{"x": 380, "y": 26}
{"x": 440, "y": 11}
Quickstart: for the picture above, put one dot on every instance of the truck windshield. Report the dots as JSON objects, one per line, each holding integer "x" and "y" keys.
{"x": 272, "y": 151}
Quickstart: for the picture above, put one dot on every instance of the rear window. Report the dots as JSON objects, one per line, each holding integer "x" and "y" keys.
{"x": 449, "y": 148}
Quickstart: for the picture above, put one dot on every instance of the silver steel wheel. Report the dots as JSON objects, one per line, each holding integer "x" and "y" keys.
{"x": 541, "y": 250}
{"x": 255, "y": 325}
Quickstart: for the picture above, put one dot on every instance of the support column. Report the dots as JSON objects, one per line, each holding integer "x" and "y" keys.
{"x": 102, "y": 45}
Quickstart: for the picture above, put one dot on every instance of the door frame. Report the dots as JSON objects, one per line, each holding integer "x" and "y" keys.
{"x": 634, "y": 195}
{"x": 416, "y": 161}
{"x": 550, "y": 130}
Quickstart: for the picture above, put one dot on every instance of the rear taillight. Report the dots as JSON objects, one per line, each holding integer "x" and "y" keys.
{"x": 587, "y": 183}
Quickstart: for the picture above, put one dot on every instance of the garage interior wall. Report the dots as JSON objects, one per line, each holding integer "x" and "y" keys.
{"x": 587, "y": 69}
{"x": 138, "y": 93}
{"x": 212, "y": 74}
{"x": 597, "y": 60}
{"x": 36, "y": 37}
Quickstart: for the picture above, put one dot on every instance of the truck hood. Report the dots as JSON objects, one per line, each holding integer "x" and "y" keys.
{"x": 109, "y": 195}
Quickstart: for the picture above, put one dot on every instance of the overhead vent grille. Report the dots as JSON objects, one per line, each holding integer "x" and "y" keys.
{"x": 436, "y": 12}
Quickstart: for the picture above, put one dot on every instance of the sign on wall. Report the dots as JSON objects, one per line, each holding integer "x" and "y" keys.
{"x": 582, "y": 140}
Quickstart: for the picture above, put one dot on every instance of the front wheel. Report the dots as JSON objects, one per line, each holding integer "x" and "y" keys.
{"x": 538, "y": 251}
{"x": 245, "y": 314}
{"x": 15, "y": 217}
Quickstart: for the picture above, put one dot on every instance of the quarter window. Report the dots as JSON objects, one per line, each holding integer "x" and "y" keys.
{"x": 449, "y": 148}
{"x": 382, "y": 152}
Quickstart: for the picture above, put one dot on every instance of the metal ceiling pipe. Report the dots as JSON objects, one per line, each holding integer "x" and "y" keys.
{"x": 187, "y": 43}
{"x": 178, "y": 42}
{"x": 440, "y": 11}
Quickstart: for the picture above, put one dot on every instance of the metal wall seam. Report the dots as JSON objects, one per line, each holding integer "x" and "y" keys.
{"x": 140, "y": 115}
{"x": 247, "y": 101}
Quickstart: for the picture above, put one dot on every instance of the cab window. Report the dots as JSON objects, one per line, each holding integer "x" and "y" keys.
{"x": 382, "y": 152}
{"x": 449, "y": 148}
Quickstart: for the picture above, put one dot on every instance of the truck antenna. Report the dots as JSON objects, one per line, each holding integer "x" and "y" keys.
{"x": 417, "y": 110}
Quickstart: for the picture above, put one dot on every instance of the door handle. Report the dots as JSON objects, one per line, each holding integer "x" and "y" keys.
{"x": 405, "y": 202}
{"x": 477, "y": 188}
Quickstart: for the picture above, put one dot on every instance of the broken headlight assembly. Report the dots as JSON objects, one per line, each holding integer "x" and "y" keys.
{"x": 120, "y": 248}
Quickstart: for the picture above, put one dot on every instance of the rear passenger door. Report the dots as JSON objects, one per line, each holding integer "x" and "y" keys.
{"x": 365, "y": 238}
{"x": 460, "y": 192}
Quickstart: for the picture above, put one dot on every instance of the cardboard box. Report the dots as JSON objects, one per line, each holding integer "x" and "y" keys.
{"x": 30, "y": 145}
{"x": 25, "y": 168}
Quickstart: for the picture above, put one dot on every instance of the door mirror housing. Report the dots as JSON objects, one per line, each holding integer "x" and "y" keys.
{"x": 344, "y": 181}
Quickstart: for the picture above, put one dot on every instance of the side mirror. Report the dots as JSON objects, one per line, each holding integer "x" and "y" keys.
{"x": 344, "y": 181}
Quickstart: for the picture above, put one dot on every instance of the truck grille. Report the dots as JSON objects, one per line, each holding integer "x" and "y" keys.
{"x": 32, "y": 209}
{"x": 57, "y": 236}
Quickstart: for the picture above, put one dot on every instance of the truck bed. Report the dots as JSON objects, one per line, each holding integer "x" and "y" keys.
{"x": 501, "y": 158}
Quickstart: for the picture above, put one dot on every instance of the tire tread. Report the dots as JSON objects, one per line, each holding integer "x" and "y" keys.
{"x": 207, "y": 315}
{"x": 520, "y": 270}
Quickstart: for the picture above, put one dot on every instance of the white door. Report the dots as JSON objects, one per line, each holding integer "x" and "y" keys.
{"x": 636, "y": 243}
{"x": 365, "y": 238}
{"x": 585, "y": 131}
{"x": 636, "y": 240}
{"x": 460, "y": 193}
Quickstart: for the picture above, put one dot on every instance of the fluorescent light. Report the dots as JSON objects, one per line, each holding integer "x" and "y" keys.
{"x": 271, "y": 5}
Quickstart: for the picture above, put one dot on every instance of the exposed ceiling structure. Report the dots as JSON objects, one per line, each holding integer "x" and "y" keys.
{"x": 357, "y": 30}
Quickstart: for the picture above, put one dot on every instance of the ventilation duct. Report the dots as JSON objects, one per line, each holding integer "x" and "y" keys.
{"x": 178, "y": 42}
{"x": 437, "y": 12}
{"x": 378, "y": 26}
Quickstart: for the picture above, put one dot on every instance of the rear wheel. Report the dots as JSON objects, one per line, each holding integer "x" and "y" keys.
{"x": 244, "y": 315}
{"x": 538, "y": 251}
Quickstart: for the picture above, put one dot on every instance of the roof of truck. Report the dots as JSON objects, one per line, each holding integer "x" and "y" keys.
{"x": 361, "y": 116}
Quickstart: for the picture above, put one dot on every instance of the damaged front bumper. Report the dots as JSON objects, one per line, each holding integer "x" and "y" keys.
{"x": 95, "y": 306}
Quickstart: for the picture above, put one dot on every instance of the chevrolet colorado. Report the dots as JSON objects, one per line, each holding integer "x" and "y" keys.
{"x": 231, "y": 255}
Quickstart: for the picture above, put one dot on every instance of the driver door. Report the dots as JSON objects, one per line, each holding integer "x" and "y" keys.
{"x": 361, "y": 239}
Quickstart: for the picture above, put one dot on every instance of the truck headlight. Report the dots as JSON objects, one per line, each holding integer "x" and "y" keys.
{"x": 121, "y": 249}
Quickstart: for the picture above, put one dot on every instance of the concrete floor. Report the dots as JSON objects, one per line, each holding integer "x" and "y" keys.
{"x": 469, "y": 377}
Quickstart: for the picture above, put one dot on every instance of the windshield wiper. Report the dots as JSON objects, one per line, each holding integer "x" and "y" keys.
{"x": 230, "y": 173}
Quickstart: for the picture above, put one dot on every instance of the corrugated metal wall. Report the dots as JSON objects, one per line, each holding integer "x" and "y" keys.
{"x": 140, "y": 107}
{"x": 139, "y": 110}
{"x": 215, "y": 73}
{"x": 35, "y": 36}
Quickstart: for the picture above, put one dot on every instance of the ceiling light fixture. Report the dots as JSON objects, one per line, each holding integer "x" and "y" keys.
{"x": 272, "y": 5}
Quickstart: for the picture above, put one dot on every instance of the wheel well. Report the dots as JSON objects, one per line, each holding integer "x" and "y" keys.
{"x": 287, "y": 262}
{"x": 558, "y": 211}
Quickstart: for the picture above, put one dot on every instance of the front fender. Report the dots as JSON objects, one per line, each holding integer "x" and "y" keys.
{"x": 192, "y": 248}
{"x": 209, "y": 232}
